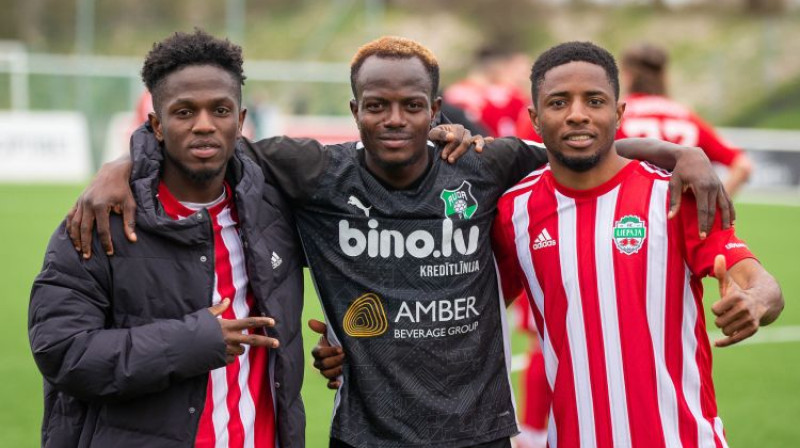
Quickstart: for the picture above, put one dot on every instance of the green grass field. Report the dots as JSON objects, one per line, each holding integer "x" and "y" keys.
{"x": 758, "y": 385}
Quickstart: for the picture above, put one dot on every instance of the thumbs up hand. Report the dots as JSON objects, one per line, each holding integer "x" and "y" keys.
{"x": 738, "y": 311}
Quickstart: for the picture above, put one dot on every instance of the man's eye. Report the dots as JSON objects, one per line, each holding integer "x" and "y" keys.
{"x": 416, "y": 106}
{"x": 183, "y": 112}
{"x": 558, "y": 103}
{"x": 223, "y": 111}
{"x": 596, "y": 102}
{"x": 373, "y": 107}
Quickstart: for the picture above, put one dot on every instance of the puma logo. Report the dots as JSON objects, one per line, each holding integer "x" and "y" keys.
{"x": 354, "y": 201}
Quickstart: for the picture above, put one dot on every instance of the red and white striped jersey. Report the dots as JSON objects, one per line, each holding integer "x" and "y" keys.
{"x": 656, "y": 116}
{"x": 239, "y": 411}
{"x": 616, "y": 296}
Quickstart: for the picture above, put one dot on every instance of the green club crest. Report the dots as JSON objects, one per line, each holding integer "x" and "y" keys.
{"x": 459, "y": 202}
{"x": 629, "y": 234}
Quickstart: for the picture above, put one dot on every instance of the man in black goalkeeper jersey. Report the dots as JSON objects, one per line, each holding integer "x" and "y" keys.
{"x": 398, "y": 245}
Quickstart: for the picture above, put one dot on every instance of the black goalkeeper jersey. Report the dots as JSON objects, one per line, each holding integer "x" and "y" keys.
{"x": 409, "y": 289}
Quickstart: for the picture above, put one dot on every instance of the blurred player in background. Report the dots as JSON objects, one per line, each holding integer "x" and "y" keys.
{"x": 650, "y": 113}
{"x": 457, "y": 115}
{"x": 493, "y": 94}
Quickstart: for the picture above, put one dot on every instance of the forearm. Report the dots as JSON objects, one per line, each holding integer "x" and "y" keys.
{"x": 660, "y": 153}
{"x": 767, "y": 291}
{"x": 68, "y": 325}
{"x": 738, "y": 173}
{"x": 114, "y": 171}
{"x": 293, "y": 165}
{"x": 123, "y": 363}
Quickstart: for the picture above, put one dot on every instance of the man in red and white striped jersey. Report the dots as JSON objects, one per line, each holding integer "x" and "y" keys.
{"x": 238, "y": 410}
{"x": 613, "y": 280}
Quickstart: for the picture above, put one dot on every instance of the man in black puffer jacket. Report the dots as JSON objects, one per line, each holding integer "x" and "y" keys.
{"x": 173, "y": 341}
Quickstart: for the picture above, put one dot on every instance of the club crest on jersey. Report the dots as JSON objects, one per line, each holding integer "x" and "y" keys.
{"x": 459, "y": 202}
{"x": 629, "y": 234}
{"x": 365, "y": 317}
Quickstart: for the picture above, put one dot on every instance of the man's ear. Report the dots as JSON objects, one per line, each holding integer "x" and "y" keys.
{"x": 436, "y": 106}
{"x": 534, "y": 119}
{"x": 242, "y": 116}
{"x": 620, "y": 112}
{"x": 354, "y": 110}
{"x": 155, "y": 123}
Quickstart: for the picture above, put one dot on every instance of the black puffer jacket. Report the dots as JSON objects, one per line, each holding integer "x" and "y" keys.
{"x": 125, "y": 343}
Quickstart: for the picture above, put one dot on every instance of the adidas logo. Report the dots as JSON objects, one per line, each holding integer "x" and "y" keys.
{"x": 543, "y": 240}
{"x": 276, "y": 260}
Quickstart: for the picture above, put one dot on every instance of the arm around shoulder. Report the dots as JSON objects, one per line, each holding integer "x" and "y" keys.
{"x": 512, "y": 159}
{"x": 294, "y": 165}
{"x": 109, "y": 190}
{"x": 691, "y": 170}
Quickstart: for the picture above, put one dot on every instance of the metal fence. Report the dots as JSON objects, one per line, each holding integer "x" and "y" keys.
{"x": 102, "y": 86}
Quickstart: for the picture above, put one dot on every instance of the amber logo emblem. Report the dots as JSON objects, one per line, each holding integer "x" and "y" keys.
{"x": 365, "y": 318}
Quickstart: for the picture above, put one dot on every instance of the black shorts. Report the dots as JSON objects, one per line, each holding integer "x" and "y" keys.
{"x": 500, "y": 443}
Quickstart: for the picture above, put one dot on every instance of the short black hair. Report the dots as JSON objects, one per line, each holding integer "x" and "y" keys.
{"x": 394, "y": 47}
{"x": 571, "y": 52}
{"x": 184, "y": 49}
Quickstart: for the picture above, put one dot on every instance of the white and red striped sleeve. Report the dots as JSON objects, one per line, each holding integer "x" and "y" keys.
{"x": 700, "y": 253}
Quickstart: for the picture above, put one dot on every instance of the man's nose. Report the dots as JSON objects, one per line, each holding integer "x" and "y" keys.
{"x": 204, "y": 123}
{"x": 577, "y": 113}
{"x": 396, "y": 117}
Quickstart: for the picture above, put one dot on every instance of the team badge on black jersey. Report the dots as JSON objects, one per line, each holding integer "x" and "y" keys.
{"x": 459, "y": 202}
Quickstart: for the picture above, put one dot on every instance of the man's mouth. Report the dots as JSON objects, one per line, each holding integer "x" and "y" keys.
{"x": 579, "y": 140}
{"x": 204, "y": 150}
{"x": 394, "y": 141}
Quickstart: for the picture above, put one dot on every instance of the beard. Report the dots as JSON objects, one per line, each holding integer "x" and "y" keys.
{"x": 198, "y": 177}
{"x": 579, "y": 164}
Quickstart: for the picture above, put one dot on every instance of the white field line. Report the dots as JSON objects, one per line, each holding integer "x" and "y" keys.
{"x": 766, "y": 335}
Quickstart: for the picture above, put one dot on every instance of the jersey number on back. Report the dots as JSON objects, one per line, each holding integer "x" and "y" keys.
{"x": 680, "y": 132}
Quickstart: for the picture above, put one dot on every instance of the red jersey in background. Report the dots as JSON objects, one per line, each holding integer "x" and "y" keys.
{"x": 495, "y": 106}
{"x": 655, "y": 116}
